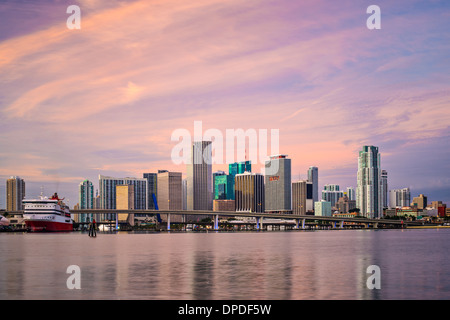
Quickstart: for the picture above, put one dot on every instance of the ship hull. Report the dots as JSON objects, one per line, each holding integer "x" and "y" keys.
{"x": 48, "y": 226}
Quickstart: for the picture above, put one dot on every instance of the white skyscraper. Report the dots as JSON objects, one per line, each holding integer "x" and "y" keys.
{"x": 368, "y": 191}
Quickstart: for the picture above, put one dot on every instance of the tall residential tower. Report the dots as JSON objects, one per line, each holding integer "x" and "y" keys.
{"x": 368, "y": 191}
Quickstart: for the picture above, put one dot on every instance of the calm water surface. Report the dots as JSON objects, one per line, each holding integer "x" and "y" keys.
{"x": 414, "y": 264}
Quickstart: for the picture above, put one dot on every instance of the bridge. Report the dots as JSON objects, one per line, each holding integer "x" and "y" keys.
{"x": 297, "y": 221}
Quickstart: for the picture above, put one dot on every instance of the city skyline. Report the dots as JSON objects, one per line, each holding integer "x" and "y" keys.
{"x": 103, "y": 100}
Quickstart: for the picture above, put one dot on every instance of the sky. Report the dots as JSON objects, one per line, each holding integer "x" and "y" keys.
{"x": 106, "y": 98}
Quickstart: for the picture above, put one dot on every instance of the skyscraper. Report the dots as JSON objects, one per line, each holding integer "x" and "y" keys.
{"x": 152, "y": 189}
{"x": 85, "y": 200}
{"x": 125, "y": 201}
{"x": 322, "y": 208}
{"x": 249, "y": 192}
{"x": 399, "y": 198}
{"x": 331, "y": 193}
{"x": 384, "y": 189}
{"x": 302, "y": 197}
{"x": 351, "y": 193}
{"x": 313, "y": 176}
{"x": 239, "y": 167}
{"x": 170, "y": 191}
{"x": 15, "y": 193}
{"x": 368, "y": 191}
{"x": 107, "y": 187}
{"x": 199, "y": 177}
{"x": 278, "y": 184}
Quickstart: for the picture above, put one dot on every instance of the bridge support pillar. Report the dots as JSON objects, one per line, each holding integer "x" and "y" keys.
{"x": 375, "y": 225}
{"x": 168, "y": 222}
{"x": 303, "y": 223}
{"x": 259, "y": 223}
{"x": 342, "y": 224}
{"x": 216, "y": 222}
{"x": 117, "y": 221}
{"x": 297, "y": 223}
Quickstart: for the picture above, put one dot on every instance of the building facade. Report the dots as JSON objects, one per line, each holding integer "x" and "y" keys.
{"x": 107, "y": 188}
{"x": 199, "y": 177}
{"x": 384, "y": 189}
{"x": 278, "y": 184}
{"x": 85, "y": 200}
{"x": 170, "y": 191}
{"x": 331, "y": 193}
{"x": 313, "y": 177}
{"x": 15, "y": 193}
{"x": 368, "y": 191}
{"x": 249, "y": 192}
{"x": 322, "y": 208}
{"x": 302, "y": 197}
{"x": 399, "y": 198}
{"x": 152, "y": 189}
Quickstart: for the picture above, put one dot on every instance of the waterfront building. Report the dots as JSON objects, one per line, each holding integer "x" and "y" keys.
{"x": 125, "y": 201}
{"x": 420, "y": 202}
{"x": 152, "y": 189}
{"x": 224, "y": 205}
{"x": 15, "y": 193}
{"x": 322, "y": 208}
{"x": 107, "y": 187}
{"x": 351, "y": 193}
{"x": 170, "y": 191}
{"x": 344, "y": 204}
{"x": 184, "y": 194}
{"x": 302, "y": 197}
{"x": 85, "y": 200}
{"x": 224, "y": 187}
{"x": 239, "y": 167}
{"x": 199, "y": 177}
{"x": 399, "y": 198}
{"x": 331, "y": 193}
{"x": 313, "y": 177}
{"x": 278, "y": 184}
{"x": 249, "y": 192}
{"x": 384, "y": 189}
{"x": 368, "y": 191}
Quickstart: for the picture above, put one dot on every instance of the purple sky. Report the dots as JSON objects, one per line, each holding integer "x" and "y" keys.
{"x": 105, "y": 99}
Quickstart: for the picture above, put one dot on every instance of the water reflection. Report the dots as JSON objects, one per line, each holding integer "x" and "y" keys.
{"x": 265, "y": 265}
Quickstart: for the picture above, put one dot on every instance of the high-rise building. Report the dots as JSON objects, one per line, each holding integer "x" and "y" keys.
{"x": 170, "y": 191}
{"x": 368, "y": 191}
{"x": 125, "y": 201}
{"x": 249, "y": 192}
{"x": 152, "y": 189}
{"x": 107, "y": 187}
{"x": 313, "y": 176}
{"x": 278, "y": 184}
{"x": 184, "y": 194}
{"x": 322, "y": 208}
{"x": 399, "y": 198}
{"x": 351, "y": 193}
{"x": 15, "y": 193}
{"x": 344, "y": 204}
{"x": 331, "y": 193}
{"x": 239, "y": 167}
{"x": 85, "y": 200}
{"x": 384, "y": 189}
{"x": 420, "y": 202}
{"x": 302, "y": 197}
{"x": 199, "y": 177}
{"x": 224, "y": 187}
